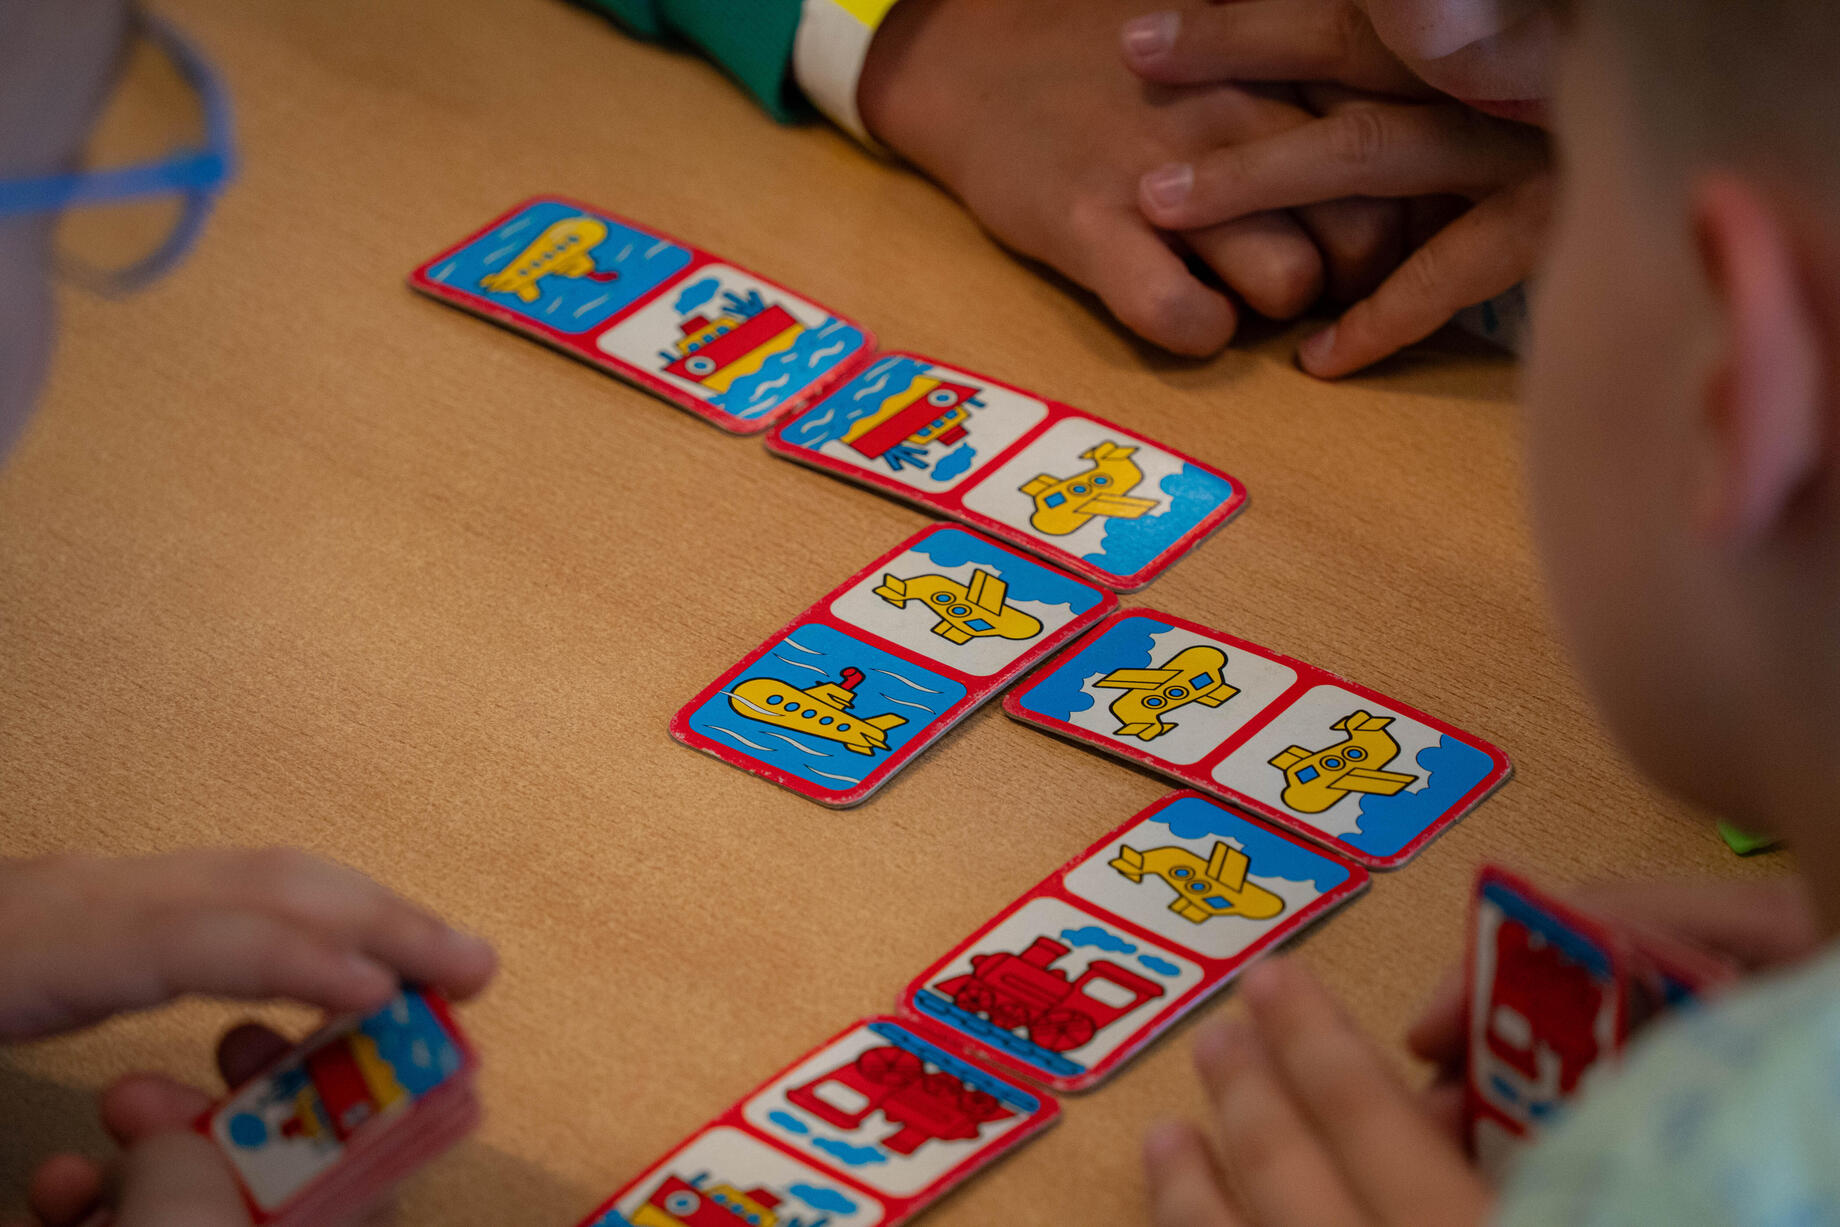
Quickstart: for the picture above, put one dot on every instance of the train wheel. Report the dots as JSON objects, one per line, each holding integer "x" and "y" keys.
{"x": 975, "y": 998}
{"x": 1008, "y": 1015}
{"x": 890, "y": 1066}
{"x": 1061, "y": 1030}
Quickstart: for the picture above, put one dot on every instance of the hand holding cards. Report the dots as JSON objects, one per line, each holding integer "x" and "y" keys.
{"x": 349, "y": 1112}
{"x": 1554, "y": 996}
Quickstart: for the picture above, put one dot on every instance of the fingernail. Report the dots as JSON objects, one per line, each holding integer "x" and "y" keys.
{"x": 1314, "y": 351}
{"x": 467, "y": 945}
{"x": 1167, "y": 187}
{"x": 1149, "y": 36}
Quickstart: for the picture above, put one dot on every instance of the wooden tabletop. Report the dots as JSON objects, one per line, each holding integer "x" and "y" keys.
{"x": 293, "y": 555}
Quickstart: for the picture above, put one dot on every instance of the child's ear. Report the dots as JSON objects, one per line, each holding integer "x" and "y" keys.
{"x": 1760, "y": 436}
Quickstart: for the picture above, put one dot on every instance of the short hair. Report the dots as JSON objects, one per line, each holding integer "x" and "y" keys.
{"x": 1754, "y": 82}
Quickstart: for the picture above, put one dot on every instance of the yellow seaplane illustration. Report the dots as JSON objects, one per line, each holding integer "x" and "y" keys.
{"x": 1204, "y": 889}
{"x": 1063, "y": 504}
{"x": 822, "y": 711}
{"x": 1192, "y": 675}
{"x": 1315, "y": 780}
{"x": 564, "y": 250}
{"x": 966, "y": 611}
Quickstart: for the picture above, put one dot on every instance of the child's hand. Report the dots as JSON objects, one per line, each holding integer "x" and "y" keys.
{"x": 83, "y": 938}
{"x": 1312, "y": 1128}
{"x": 1022, "y": 109}
{"x": 168, "y": 1176}
{"x": 1360, "y": 147}
{"x": 1759, "y": 926}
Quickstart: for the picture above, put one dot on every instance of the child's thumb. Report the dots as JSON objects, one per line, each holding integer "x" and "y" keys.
{"x": 178, "y": 1180}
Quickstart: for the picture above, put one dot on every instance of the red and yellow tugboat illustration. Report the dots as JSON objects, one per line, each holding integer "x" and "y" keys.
{"x": 678, "y": 1203}
{"x": 1315, "y": 780}
{"x": 967, "y": 611}
{"x": 822, "y": 711}
{"x": 1063, "y": 504}
{"x": 1192, "y": 675}
{"x": 1027, "y": 992}
{"x": 1204, "y": 889}
{"x": 734, "y": 344}
{"x": 565, "y": 249}
{"x": 347, "y": 1083}
{"x": 925, "y": 412}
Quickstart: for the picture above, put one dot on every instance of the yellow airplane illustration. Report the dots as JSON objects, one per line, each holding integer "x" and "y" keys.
{"x": 1063, "y": 504}
{"x": 1204, "y": 889}
{"x": 564, "y": 250}
{"x": 1315, "y": 780}
{"x": 966, "y": 611}
{"x": 822, "y": 711}
{"x": 1192, "y": 675}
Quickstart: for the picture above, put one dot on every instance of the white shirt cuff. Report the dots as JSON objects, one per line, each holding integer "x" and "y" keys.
{"x": 828, "y": 54}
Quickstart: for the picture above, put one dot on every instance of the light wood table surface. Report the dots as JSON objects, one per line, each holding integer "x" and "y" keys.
{"x": 294, "y": 555}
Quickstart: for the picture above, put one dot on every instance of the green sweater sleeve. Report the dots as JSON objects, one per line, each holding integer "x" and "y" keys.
{"x": 750, "y": 39}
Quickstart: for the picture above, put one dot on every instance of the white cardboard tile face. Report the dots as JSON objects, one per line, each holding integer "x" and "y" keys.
{"x": 732, "y": 341}
{"x": 1076, "y": 515}
{"x": 831, "y": 1106}
{"x": 958, "y": 600}
{"x": 925, "y": 425}
{"x": 1191, "y": 729}
{"x": 1071, "y": 987}
{"x": 725, "y": 1172}
{"x": 1157, "y": 875}
{"x": 1375, "y": 782}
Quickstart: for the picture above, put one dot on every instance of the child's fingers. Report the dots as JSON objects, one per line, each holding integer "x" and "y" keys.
{"x": 1360, "y": 239}
{"x": 63, "y": 1190}
{"x": 1760, "y": 924}
{"x": 349, "y": 909}
{"x": 178, "y": 1179}
{"x": 1439, "y": 1034}
{"x": 1267, "y": 259}
{"x": 1184, "y": 1188}
{"x": 1272, "y": 1156}
{"x": 141, "y": 1105}
{"x": 1394, "y": 1159}
{"x": 1485, "y": 252}
{"x": 251, "y": 956}
{"x": 246, "y": 1050}
{"x": 1391, "y": 150}
{"x": 1147, "y": 286}
{"x": 1266, "y": 40}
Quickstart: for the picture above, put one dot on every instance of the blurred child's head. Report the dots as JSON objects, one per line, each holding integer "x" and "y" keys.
{"x": 1684, "y": 394}
{"x": 1496, "y": 55}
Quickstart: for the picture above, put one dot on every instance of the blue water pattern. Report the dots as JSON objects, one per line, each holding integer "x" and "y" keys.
{"x": 830, "y": 419}
{"x": 787, "y": 374}
{"x": 1126, "y": 644}
{"x": 1131, "y": 545}
{"x": 1027, "y": 580}
{"x": 1003, "y": 1092}
{"x": 1272, "y": 855}
{"x": 849, "y": 1153}
{"x": 1162, "y": 967}
{"x": 1451, "y": 769}
{"x": 642, "y": 261}
{"x": 812, "y": 655}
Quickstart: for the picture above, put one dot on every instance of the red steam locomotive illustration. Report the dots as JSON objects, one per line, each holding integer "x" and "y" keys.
{"x": 1541, "y": 1000}
{"x": 1027, "y": 991}
{"x": 891, "y": 1080}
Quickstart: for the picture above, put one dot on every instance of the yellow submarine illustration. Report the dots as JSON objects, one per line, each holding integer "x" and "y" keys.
{"x": 966, "y": 611}
{"x": 564, "y": 250}
{"x": 1204, "y": 889}
{"x": 822, "y": 711}
{"x": 1192, "y": 675}
{"x": 1063, "y": 504}
{"x": 1315, "y": 780}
